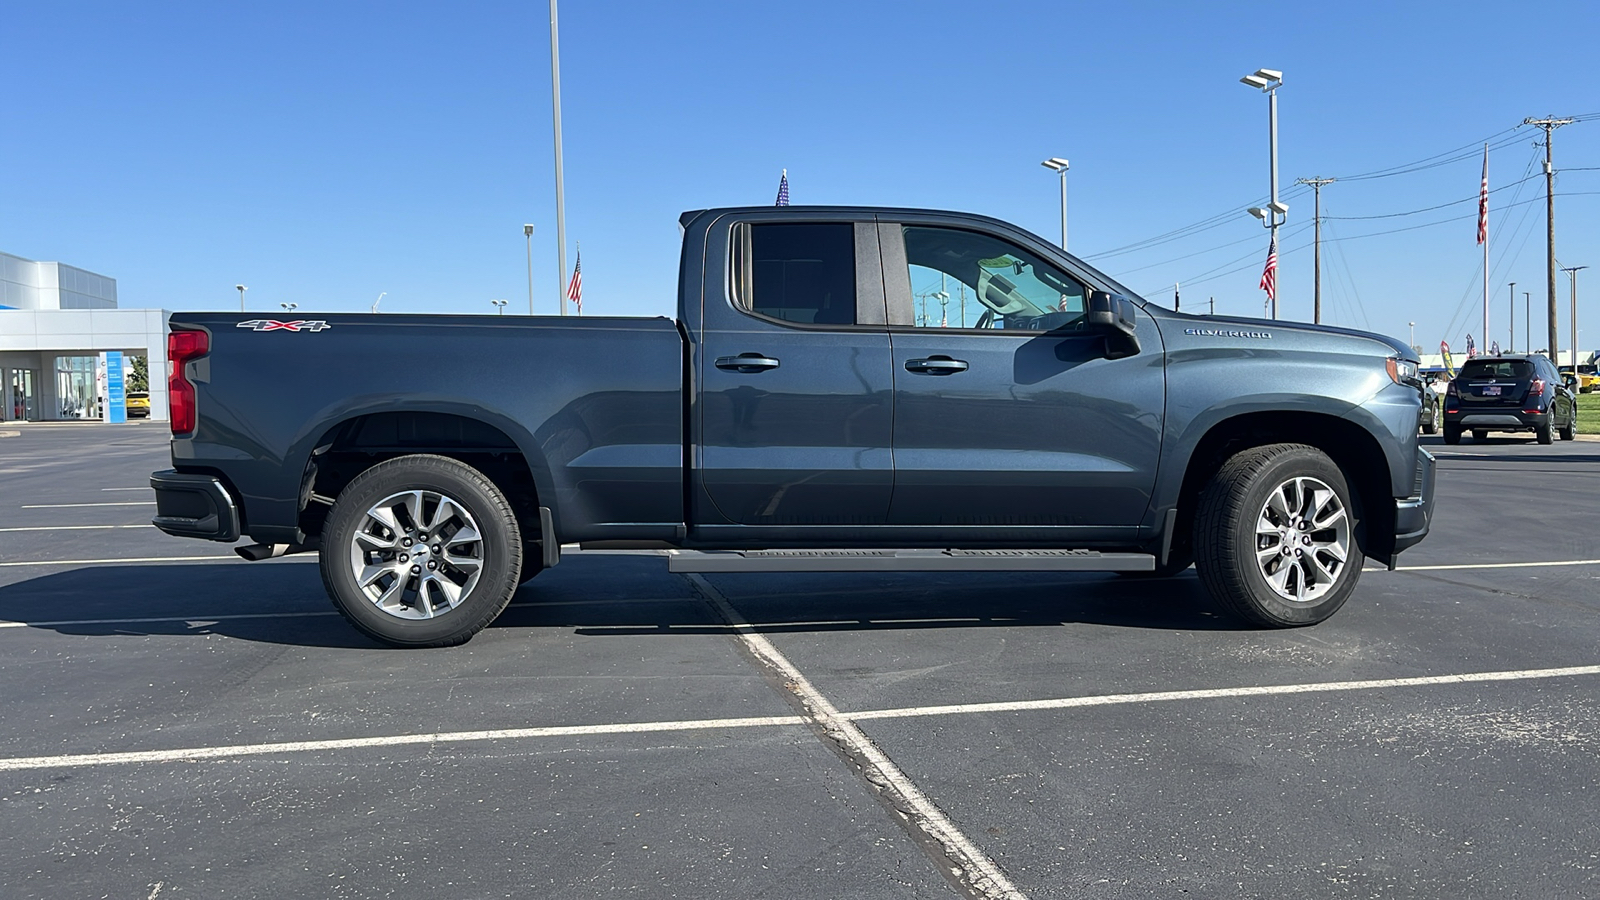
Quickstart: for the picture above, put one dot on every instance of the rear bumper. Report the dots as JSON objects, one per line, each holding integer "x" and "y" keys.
{"x": 1502, "y": 419}
{"x": 196, "y": 506}
{"x": 1414, "y": 514}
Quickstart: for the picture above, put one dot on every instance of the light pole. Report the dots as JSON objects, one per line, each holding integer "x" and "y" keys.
{"x": 1060, "y": 166}
{"x": 241, "y": 288}
{"x": 1276, "y": 212}
{"x": 1511, "y": 314}
{"x": 527, "y": 232}
{"x": 1572, "y": 273}
{"x": 289, "y": 307}
{"x": 500, "y": 307}
{"x": 379, "y": 300}
{"x": 1413, "y": 334}
{"x": 561, "y": 203}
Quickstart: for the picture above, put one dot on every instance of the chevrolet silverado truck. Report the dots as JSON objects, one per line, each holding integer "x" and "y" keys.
{"x": 844, "y": 389}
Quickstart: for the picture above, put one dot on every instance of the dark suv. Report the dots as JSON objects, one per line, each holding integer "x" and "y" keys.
{"x": 1509, "y": 393}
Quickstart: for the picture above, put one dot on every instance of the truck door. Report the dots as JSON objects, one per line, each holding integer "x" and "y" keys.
{"x": 1007, "y": 414}
{"x": 795, "y": 390}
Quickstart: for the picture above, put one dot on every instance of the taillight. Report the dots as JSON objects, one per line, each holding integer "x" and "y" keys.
{"x": 1451, "y": 390}
{"x": 1536, "y": 386}
{"x": 182, "y": 348}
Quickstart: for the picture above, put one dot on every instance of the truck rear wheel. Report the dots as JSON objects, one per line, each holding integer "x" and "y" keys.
{"x": 421, "y": 551}
{"x": 1276, "y": 536}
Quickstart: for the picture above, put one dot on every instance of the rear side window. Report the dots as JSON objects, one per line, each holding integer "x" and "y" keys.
{"x": 1497, "y": 368}
{"x": 801, "y": 273}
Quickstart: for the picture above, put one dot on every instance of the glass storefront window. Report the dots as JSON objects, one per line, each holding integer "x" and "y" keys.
{"x": 76, "y": 393}
{"x": 21, "y": 402}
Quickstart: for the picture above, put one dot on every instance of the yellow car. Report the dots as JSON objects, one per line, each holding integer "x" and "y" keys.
{"x": 138, "y": 404}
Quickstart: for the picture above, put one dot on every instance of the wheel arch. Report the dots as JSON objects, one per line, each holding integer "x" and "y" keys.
{"x": 359, "y": 440}
{"x": 1353, "y": 448}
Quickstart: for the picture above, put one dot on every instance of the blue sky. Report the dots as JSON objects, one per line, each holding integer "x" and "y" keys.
{"x": 324, "y": 153}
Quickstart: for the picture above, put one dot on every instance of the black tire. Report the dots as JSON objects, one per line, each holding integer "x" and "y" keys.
{"x": 1543, "y": 433}
{"x": 1452, "y": 435}
{"x": 1432, "y": 425}
{"x": 1226, "y": 536}
{"x": 499, "y": 552}
{"x": 1568, "y": 432}
{"x": 1480, "y": 434}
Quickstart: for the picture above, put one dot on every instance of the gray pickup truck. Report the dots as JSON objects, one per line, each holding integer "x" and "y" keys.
{"x": 844, "y": 389}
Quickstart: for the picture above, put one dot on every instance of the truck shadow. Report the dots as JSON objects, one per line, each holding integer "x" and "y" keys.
{"x": 283, "y": 602}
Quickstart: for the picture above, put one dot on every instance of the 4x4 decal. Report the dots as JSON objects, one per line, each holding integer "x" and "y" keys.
{"x": 275, "y": 325}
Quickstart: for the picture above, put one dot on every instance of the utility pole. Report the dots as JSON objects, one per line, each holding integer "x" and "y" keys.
{"x": 1316, "y": 183}
{"x": 1549, "y": 125}
{"x": 1572, "y": 273}
{"x": 1213, "y": 307}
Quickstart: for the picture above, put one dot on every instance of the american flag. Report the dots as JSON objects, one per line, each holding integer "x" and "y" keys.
{"x": 1269, "y": 275}
{"x": 783, "y": 189}
{"x": 1483, "y": 199}
{"x": 1472, "y": 348}
{"x": 575, "y": 289}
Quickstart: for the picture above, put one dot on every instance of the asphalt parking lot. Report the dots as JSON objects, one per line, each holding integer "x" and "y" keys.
{"x": 180, "y": 723}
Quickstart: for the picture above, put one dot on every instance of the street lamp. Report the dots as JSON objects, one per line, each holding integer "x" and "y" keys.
{"x": 289, "y": 307}
{"x": 379, "y": 300}
{"x": 241, "y": 288}
{"x": 1413, "y": 334}
{"x": 527, "y": 232}
{"x": 1275, "y": 213}
{"x": 500, "y": 307}
{"x": 1060, "y": 166}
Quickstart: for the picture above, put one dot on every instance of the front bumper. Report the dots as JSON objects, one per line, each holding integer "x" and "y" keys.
{"x": 197, "y": 506}
{"x": 1414, "y": 514}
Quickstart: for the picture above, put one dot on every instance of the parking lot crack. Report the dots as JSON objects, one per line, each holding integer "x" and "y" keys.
{"x": 966, "y": 867}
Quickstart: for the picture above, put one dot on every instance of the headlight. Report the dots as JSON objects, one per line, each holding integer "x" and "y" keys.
{"x": 1402, "y": 371}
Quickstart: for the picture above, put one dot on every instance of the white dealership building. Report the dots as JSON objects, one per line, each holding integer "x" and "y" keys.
{"x": 56, "y": 321}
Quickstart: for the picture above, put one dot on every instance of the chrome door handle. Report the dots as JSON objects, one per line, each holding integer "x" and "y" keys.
{"x": 936, "y": 365}
{"x": 747, "y": 363}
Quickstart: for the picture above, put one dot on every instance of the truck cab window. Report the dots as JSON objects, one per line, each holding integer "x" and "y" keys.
{"x": 963, "y": 279}
{"x": 804, "y": 273}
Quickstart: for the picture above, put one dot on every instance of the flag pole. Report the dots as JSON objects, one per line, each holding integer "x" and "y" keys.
{"x": 1483, "y": 215}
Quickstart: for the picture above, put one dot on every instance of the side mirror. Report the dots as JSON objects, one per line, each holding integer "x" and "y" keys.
{"x": 1113, "y": 316}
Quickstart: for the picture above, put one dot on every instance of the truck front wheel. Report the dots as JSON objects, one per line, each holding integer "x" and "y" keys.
{"x": 421, "y": 551}
{"x": 1276, "y": 539}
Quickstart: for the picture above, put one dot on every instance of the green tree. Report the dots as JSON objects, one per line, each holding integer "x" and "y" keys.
{"x": 139, "y": 377}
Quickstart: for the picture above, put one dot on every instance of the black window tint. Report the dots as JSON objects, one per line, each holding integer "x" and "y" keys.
{"x": 803, "y": 273}
{"x": 1497, "y": 368}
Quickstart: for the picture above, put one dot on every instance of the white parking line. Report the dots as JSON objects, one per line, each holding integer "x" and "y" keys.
{"x": 8, "y": 623}
{"x": 71, "y": 527}
{"x": 81, "y": 505}
{"x": 234, "y": 750}
{"x": 1508, "y": 565}
{"x": 1215, "y": 693}
{"x": 136, "y": 559}
{"x": 976, "y": 868}
{"x": 195, "y": 621}
{"x": 393, "y": 740}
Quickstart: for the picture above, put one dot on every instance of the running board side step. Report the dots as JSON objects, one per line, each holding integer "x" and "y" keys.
{"x": 907, "y": 561}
